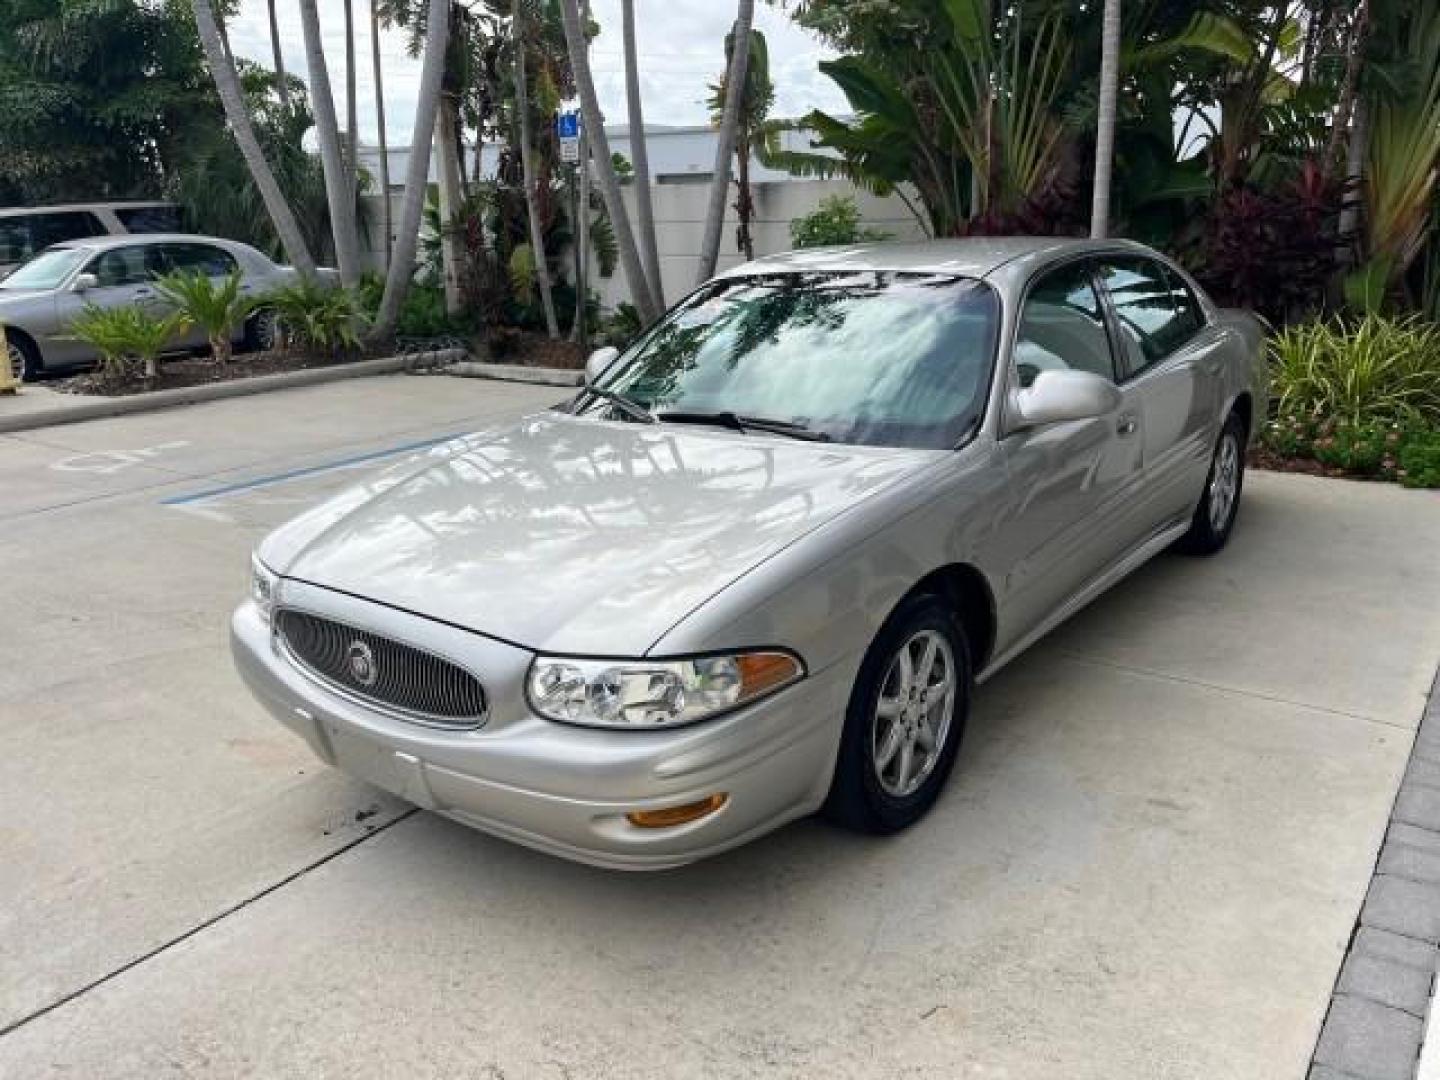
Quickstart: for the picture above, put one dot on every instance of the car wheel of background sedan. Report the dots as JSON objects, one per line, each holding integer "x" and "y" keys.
{"x": 262, "y": 330}
{"x": 1220, "y": 501}
{"x": 905, "y": 720}
{"x": 22, "y": 357}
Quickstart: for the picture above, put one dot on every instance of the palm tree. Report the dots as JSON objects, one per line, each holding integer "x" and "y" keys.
{"x": 604, "y": 165}
{"x": 720, "y": 181}
{"x": 527, "y": 168}
{"x": 232, "y": 100}
{"x": 339, "y": 193}
{"x": 640, "y": 155}
{"x": 282, "y": 84}
{"x": 402, "y": 262}
{"x": 755, "y": 135}
{"x": 1105, "y": 123}
{"x": 385, "y": 230}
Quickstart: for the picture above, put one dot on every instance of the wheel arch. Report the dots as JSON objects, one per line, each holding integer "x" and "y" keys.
{"x": 966, "y": 589}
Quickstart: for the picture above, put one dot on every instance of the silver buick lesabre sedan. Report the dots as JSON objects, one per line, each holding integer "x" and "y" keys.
{"x": 757, "y": 567}
{"x": 39, "y": 301}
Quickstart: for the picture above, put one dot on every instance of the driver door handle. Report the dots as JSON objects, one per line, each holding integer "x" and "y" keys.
{"x": 1126, "y": 425}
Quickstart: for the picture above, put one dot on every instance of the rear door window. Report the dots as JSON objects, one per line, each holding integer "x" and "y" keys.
{"x": 199, "y": 258}
{"x": 1156, "y": 312}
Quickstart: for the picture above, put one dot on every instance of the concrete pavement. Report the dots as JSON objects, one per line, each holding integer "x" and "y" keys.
{"x": 1147, "y": 863}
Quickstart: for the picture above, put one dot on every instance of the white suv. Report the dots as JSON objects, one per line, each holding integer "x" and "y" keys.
{"x": 26, "y": 230}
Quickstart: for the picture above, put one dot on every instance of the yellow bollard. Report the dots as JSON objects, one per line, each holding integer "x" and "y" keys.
{"x": 9, "y": 384}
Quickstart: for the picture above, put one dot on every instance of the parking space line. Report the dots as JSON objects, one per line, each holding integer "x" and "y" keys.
{"x": 307, "y": 470}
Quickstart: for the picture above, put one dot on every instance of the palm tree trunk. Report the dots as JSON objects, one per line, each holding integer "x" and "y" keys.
{"x": 527, "y": 169}
{"x": 282, "y": 83}
{"x": 446, "y": 124}
{"x": 604, "y": 167}
{"x": 385, "y": 227}
{"x": 640, "y": 156}
{"x": 582, "y": 239}
{"x": 402, "y": 262}
{"x": 352, "y": 122}
{"x": 232, "y": 99}
{"x": 744, "y": 203}
{"x": 725, "y": 145}
{"x": 1105, "y": 123}
{"x": 339, "y": 193}
{"x": 1349, "y": 88}
{"x": 1349, "y": 231}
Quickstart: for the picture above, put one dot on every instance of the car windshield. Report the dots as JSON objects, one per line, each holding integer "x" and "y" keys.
{"x": 46, "y": 270}
{"x": 878, "y": 358}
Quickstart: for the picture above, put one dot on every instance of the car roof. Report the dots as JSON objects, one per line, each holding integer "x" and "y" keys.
{"x": 71, "y": 207}
{"x": 104, "y": 243}
{"x": 973, "y": 256}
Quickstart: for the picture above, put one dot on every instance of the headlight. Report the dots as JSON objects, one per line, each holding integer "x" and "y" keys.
{"x": 263, "y": 585}
{"x": 654, "y": 693}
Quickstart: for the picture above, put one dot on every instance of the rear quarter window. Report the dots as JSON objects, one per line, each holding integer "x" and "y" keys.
{"x": 150, "y": 219}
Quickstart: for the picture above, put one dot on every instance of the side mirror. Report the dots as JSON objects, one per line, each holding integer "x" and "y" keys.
{"x": 84, "y": 282}
{"x": 599, "y": 360}
{"x": 1056, "y": 396}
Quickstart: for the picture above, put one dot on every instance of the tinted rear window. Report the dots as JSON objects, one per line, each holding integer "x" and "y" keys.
{"x": 150, "y": 219}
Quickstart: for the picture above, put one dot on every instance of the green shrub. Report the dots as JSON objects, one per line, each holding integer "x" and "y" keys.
{"x": 319, "y": 317}
{"x": 123, "y": 334}
{"x": 217, "y": 309}
{"x": 1368, "y": 371}
{"x": 1420, "y": 460}
{"x": 835, "y": 221}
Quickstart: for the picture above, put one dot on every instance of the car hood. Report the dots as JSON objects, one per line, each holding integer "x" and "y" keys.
{"x": 573, "y": 535}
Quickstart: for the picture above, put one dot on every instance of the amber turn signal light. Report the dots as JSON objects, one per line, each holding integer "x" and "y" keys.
{"x": 671, "y": 816}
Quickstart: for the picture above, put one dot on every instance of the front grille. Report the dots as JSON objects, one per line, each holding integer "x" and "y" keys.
{"x": 398, "y": 678}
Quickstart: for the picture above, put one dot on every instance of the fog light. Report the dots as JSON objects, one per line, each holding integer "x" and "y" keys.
{"x": 671, "y": 816}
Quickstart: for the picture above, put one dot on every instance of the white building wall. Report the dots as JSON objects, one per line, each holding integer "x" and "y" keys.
{"x": 680, "y": 227}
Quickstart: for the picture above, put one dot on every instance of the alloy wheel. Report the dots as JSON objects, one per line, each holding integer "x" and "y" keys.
{"x": 1224, "y": 481}
{"x": 912, "y": 713}
{"x": 17, "y": 360}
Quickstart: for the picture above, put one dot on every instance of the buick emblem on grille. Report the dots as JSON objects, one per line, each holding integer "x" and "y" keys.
{"x": 361, "y": 660}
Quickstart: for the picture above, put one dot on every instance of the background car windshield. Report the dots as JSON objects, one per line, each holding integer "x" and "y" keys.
{"x": 879, "y": 358}
{"x": 46, "y": 271}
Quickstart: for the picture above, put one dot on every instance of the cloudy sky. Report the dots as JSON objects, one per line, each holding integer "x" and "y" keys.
{"x": 680, "y": 44}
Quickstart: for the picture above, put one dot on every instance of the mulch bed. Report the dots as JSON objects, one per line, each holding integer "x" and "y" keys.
{"x": 1260, "y": 458}
{"x": 535, "y": 350}
{"x": 191, "y": 371}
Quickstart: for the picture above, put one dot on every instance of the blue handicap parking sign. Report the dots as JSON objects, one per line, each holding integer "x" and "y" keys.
{"x": 567, "y": 125}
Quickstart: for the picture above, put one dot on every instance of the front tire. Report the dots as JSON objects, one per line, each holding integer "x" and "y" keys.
{"x": 22, "y": 356}
{"x": 1214, "y": 517}
{"x": 905, "y": 720}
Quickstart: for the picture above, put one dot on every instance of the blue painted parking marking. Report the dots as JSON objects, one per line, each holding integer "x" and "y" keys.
{"x": 308, "y": 470}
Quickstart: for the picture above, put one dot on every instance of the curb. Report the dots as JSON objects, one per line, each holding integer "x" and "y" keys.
{"x": 100, "y": 408}
{"x": 474, "y": 369}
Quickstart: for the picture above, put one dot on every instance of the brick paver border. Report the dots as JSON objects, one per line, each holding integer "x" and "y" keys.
{"x": 1376, "y": 1021}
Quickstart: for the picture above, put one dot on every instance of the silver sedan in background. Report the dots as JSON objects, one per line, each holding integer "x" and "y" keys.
{"x": 758, "y": 566}
{"x": 39, "y": 301}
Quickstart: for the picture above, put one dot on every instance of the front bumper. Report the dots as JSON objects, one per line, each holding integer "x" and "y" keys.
{"x": 565, "y": 790}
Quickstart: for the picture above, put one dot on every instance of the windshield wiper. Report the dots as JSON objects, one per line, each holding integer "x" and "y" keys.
{"x": 632, "y": 409}
{"x": 735, "y": 422}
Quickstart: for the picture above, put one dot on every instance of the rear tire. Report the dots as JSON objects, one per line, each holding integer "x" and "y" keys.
{"x": 1214, "y": 517}
{"x": 905, "y": 720}
{"x": 262, "y": 330}
{"x": 22, "y": 356}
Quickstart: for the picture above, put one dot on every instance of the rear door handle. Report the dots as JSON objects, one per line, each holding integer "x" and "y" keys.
{"x": 1126, "y": 425}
